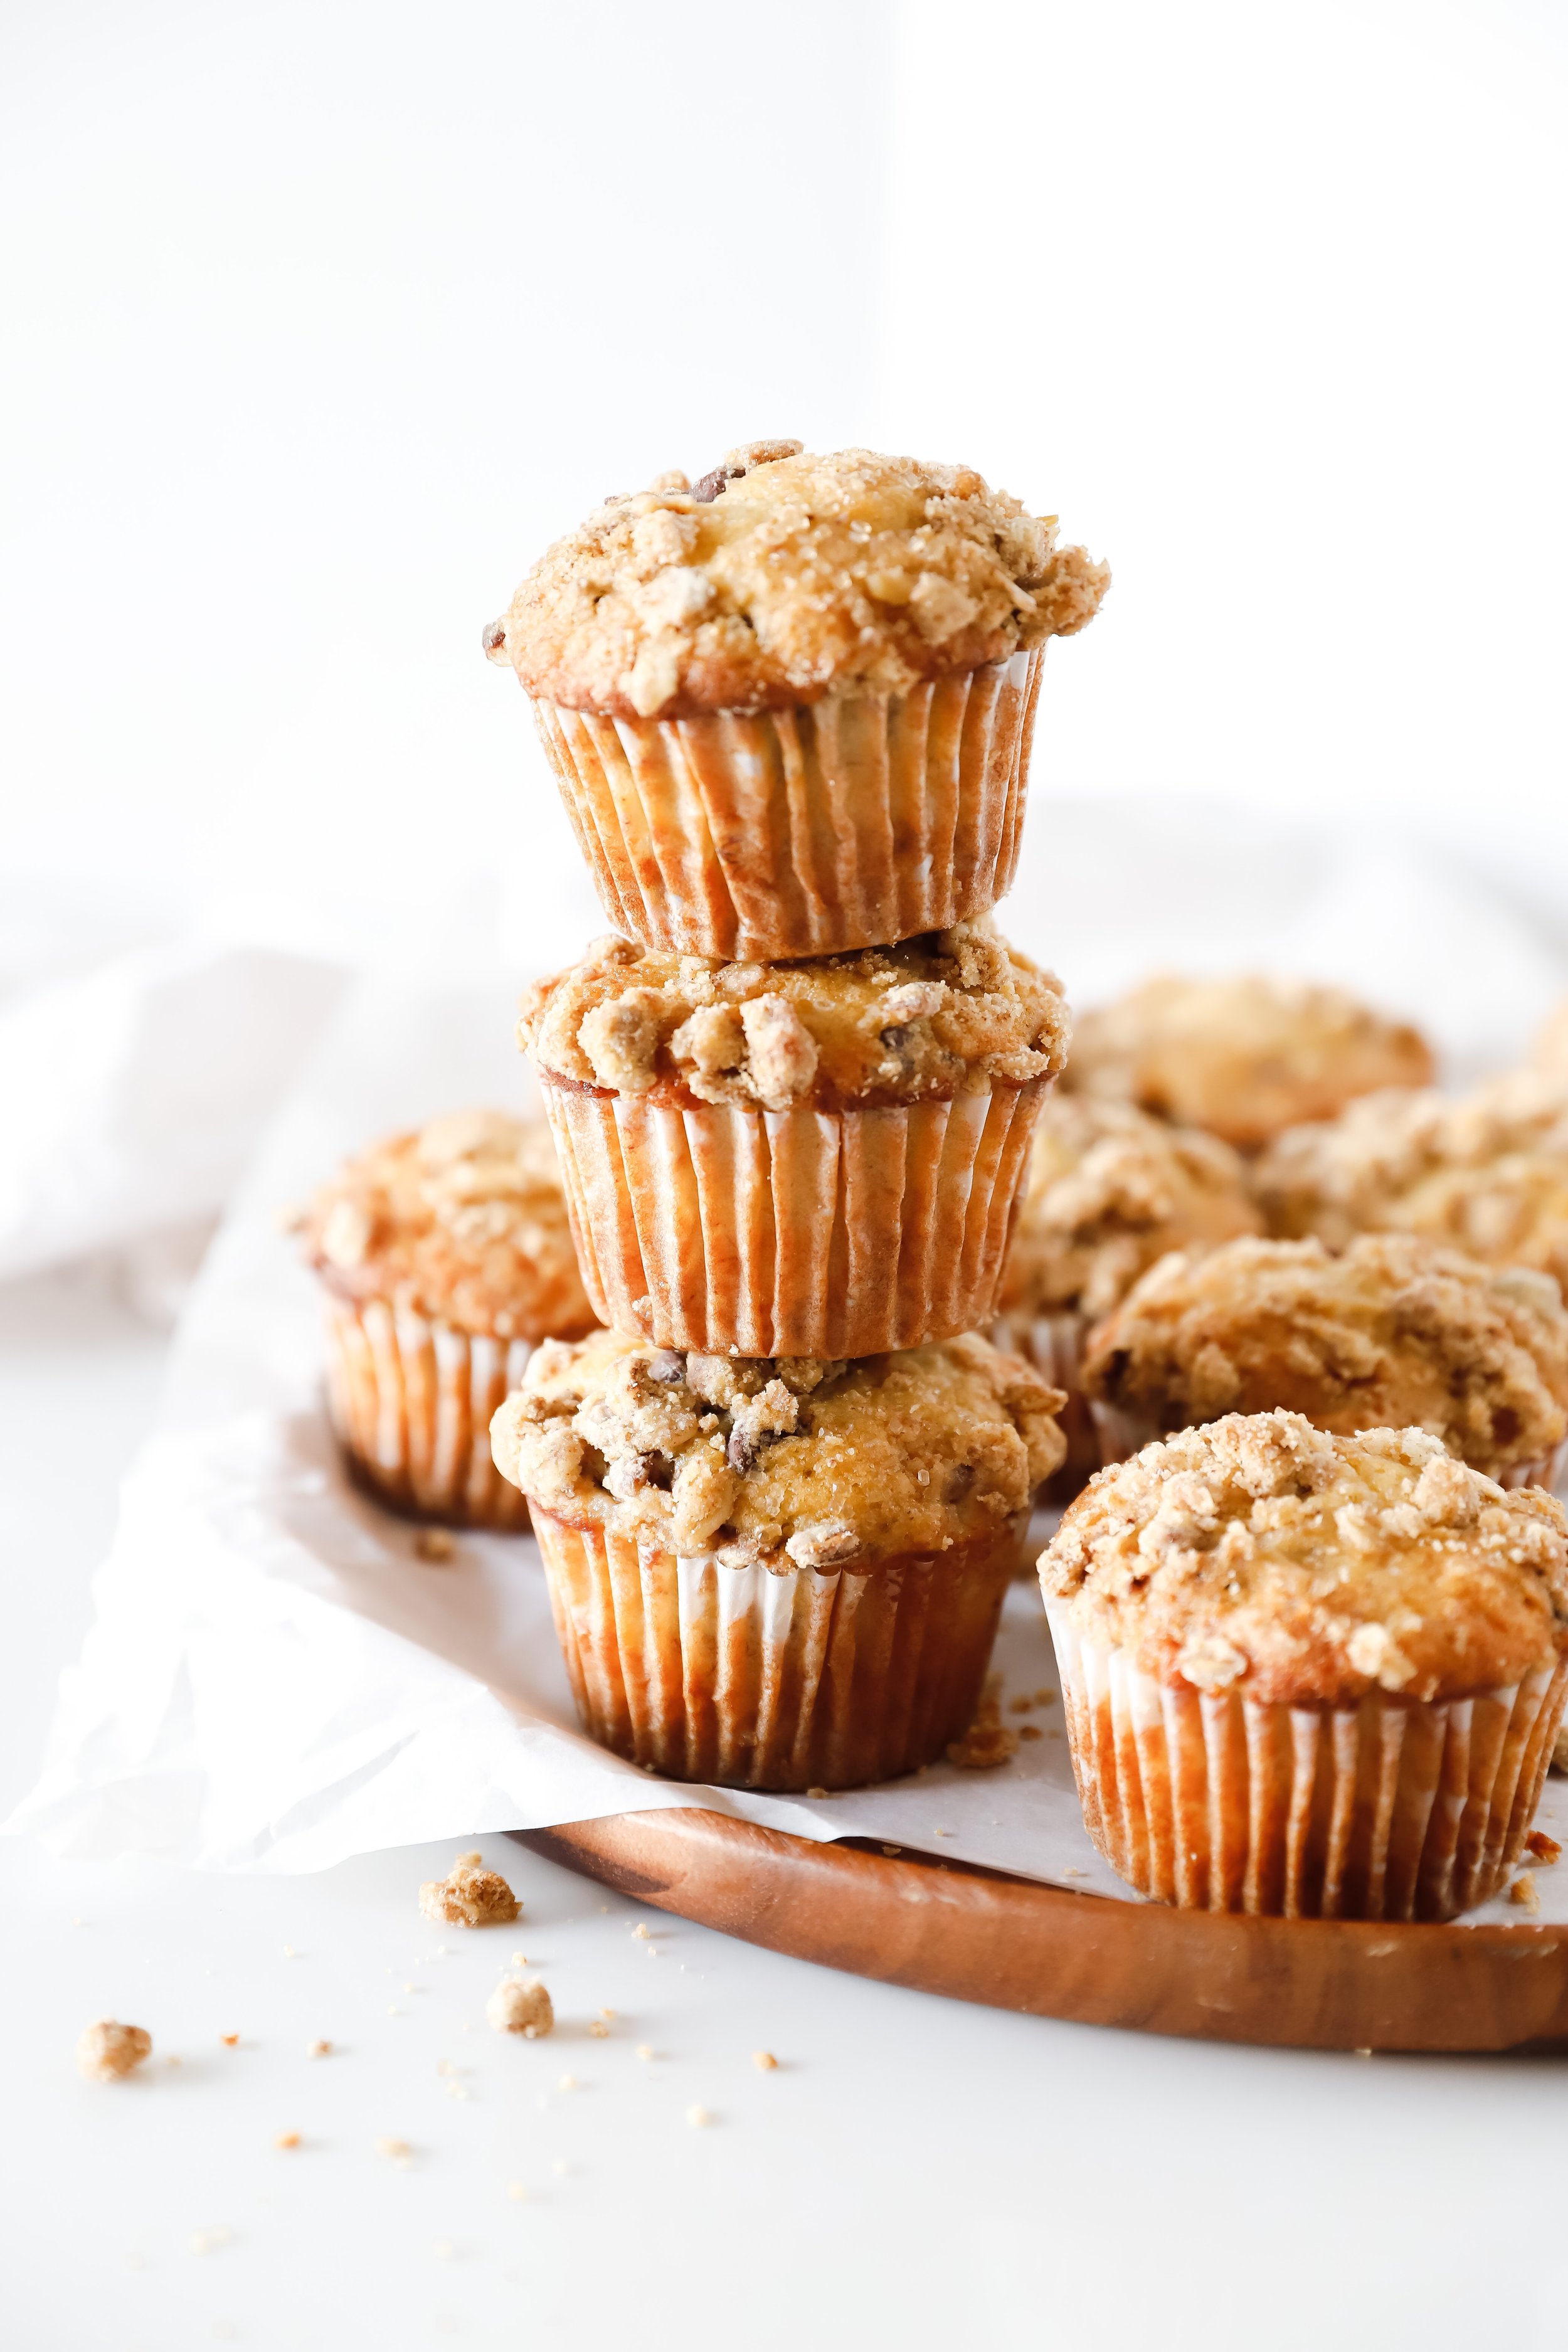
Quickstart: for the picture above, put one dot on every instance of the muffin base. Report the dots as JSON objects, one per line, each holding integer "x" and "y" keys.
{"x": 411, "y": 1400}
{"x": 749, "y": 1679}
{"x": 1120, "y": 1436}
{"x": 847, "y": 822}
{"x": 1390, "y": 1809}
{"x": 794, "y": 1232}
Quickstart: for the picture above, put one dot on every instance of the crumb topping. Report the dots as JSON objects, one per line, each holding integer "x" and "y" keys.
{"x": 1110, "y": 1190}
{"x": 1308, "y": 1568}
{"x": 106, "y": 2052}
{"x": 783, "y": 577}
{"x": 1243, "y": 1058}
{"x": 789, "y": 1462}
{"x": 464, "y": 1221}
{"x": 988, "y": 1742}
{"x": 469, "y": 1896}
{"x": 952, "y": 1013}
{"x": 1487, "y": 1172}
{"x": 1396, "y": 1333}
{"x": 520, "y": 2005}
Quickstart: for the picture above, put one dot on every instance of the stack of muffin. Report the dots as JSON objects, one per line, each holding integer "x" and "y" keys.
{"x": 780, "y": 1498}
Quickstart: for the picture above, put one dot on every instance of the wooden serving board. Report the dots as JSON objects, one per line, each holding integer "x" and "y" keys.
{"x": 978, "y": 1936}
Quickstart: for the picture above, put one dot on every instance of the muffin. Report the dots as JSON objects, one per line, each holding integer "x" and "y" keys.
{"x": 444, "y": 1256}
{"x": 790, "y": 708}
{"x": 1487, "y": 1172}
{"x": 777, "y": 1575}
{"x": 1550, "y": 1050}
{"x": 1396, "y": 1333}
{"x": 815, "y": 1158}
{"x": 1243, "y": 1058}
{"x": 1109, "y": 1190}
{"x": 1311, "y": 1675}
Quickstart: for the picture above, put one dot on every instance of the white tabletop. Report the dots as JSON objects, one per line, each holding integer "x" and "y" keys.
{"x": 915, "y": 2171}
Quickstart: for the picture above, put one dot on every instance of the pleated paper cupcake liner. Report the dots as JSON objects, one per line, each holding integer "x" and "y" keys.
{"x": 848, "y": 822}
{"x": 1388, "y": 1810}
{"x": 809, "y": 1679}
{"x": 412, "y": 1401}
{"x": 792, "y": 1233}
{"x": 1123, "y": 1434}
{"x": 1054, "y": 1344}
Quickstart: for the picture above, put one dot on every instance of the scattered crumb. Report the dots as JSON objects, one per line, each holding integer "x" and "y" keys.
{"x": 987, "y": 1742}
{"x": 816, "y": 1792}
{"x": 318, "y": 2049}
{"x": 106, "y": 2052}
{"x": 1022, "y": 1703}
{"x": 174, "y": 2059}
{"x": 1361, "y": 2053}
{"x": 599, "y": 2030}
{"x": 434, "y": 1544}
{"x": 1522, "y": 1892}
{"x": 456, "y": 2091}
{"x": 470, "y": 1896}
{"x": 520, "y": 1959}
{"x": 229, "y": 2041}
{"x": 207, "y": 2241}
{"x": 567, "y": 2082}
{"x": 520, "y": 2005}
{"x": 640, "y": 1931}
{"x": 697, "y": 2116}
{"x": 289, "y": 1953}
{"x": 517, "y": 2192}
{"x": 607, "y": 2012}
{"x": 892, "y": 1849}
{"x": 391, "y": 2011}
{"x": 1075, "y": 1874}
{"x": 287, "y": 2139}
{"x": 1545, "y": 1849}
{"x": 763, "y": 2061}
{"x": 397, "y": 2149}
{"x": 1044, "y": 1697}
{"x": 1030, "y": 1731}
{"x": 644, "y": 2050}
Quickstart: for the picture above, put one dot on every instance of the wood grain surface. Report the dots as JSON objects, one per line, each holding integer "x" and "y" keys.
{"x": 978, "y": 1936}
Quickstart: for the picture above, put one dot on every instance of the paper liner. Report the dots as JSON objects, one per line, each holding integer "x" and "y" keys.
{"x": 809, "y": 1679}
{"x": 1388, "y": 1810}
{"x": 1123, "y": 1434}
{"x": 848, "y": 822}
{"x": 1054, "y": 1344}
{"x": 792, "y": 1233}
{"x": 412, "y": 1401}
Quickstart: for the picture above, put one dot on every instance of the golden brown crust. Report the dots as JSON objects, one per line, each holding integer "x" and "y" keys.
{"x": 805, "y": 1464}
{"x": 1487, "y": 1172}
{"x": 953, "y": 1013}
{"x": 1397, "y": 1333}
{"x": 1261, "y": 1554}
{"x": 796, "y": 577}
{"x": 1243, "y": 1058}
{"x": 1110, "y": 1190}
{"x": 464, "y": 1221}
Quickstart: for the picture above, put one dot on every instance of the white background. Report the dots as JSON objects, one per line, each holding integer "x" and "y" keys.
{"x": 319, "y": 320}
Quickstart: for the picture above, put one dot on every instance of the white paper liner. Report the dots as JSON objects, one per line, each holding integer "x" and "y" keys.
{"x": 412, "y": 1402}
{"x": 760, "y": 1678}
{"x": 848, "y": 822}
{"x": 792, "y": 1233}
{"x": 1387, "y": 1810}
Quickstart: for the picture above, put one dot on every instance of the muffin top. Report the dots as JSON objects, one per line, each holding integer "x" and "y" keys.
{"x": 1243, "y": 1058}
{"x": 1397, "y": 1333}
{"x": 1550, "y": 1050}
{"x": 793, "y": 1461}
{"x": 781, "y": 578}
{"x": 1487, "y": 1172}
{"x": 1305, "y": 1570}
{"x": 952, "y": 1013}
{"x": 464, "y": 1221}
{"x": 1110, "y": 1190}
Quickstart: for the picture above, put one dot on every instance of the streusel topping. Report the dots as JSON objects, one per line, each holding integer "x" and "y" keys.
{"x": 792, "y": 1462}
{"x": 464, "y": 1219}
{"x": 1243, "y": 1058}
{"x": 1487, "y": 1172}
{"x": 1305, "y": 1570}
{"x": 1110, "y": 1190}
{"x": 1397, "y": 1333}
{"x": 783, "y": 577}
{"x": 952, "y": 1012}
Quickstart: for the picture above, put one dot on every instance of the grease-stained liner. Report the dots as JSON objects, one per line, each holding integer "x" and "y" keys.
{"x": 792, "y": 1233}
{"x": 849, "y": 823}
{"x": 748, "y": 1677}
{"x": 1385, "y": 1809}
{"x": 412, "y": 1401}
